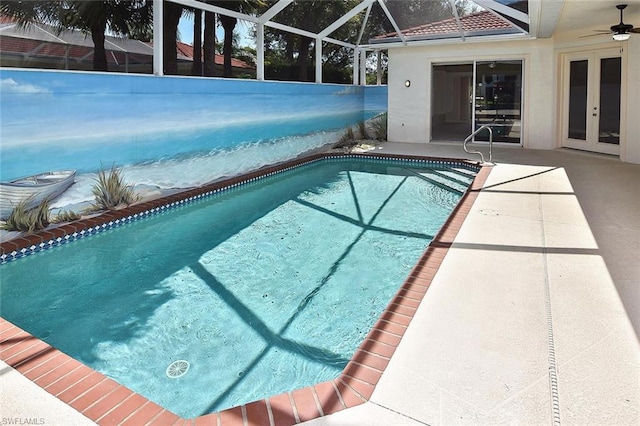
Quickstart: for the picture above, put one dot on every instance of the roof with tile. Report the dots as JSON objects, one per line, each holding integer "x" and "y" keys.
{"x": 187, "y": 51}
{"x": 475, "y": 22}
{"x": 45, "y": 41}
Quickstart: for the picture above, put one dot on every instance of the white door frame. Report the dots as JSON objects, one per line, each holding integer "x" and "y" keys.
{"x": 591, "y": 143}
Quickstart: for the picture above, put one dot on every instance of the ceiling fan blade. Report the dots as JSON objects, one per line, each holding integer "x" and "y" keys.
{"x": 594, "y": 35}
{"x": 617, "y": 29}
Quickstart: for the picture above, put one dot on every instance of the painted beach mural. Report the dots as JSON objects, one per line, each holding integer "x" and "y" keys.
{"x": 165, "y": 133}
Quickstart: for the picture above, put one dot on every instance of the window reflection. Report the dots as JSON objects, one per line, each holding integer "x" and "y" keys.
{"x": 578, "y": 74}
{"x": 498, "y": 100}
{"x": 609, "y": 123}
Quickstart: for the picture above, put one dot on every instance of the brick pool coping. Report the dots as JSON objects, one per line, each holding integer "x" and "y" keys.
{"x": 106, "y": 402}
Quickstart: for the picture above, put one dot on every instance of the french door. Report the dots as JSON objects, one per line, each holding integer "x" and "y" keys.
{"x": 591, "y": 108}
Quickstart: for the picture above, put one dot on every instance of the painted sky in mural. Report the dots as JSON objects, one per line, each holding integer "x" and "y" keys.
{"x": 166, "y": 132}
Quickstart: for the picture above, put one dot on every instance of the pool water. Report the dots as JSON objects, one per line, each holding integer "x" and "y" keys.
{"x": 256, "y": 291}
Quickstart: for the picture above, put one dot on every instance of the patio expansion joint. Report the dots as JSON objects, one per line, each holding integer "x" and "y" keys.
{"x": 398, "y": 413}
{"x": 544, "y": 250}
{"x": 590, "y": 347}
{"x": 553, "y": 370}
{"x": 514, "y": 397}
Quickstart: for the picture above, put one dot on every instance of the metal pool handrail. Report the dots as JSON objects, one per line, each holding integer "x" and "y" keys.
{"x": 464, "y": 145}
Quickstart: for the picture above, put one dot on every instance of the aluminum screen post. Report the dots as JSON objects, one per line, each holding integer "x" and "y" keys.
{"x": 158, "y": 41}
{"x": 363, "y": 68}
{"x": 318, "y": 60}
{"x": 379, "y": 68}
{"x": 356, "y": 65}
{"x": 260, "y": 51}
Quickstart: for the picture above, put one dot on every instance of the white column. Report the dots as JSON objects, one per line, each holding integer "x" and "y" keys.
{"x": 318, "y": 60}
{"x": 363, "y": 68}
{"x": 356, "y": 65}
{"x": 157, "y": 37}
{"x": 379, "y": 69}
{"x": 260, "y": 51}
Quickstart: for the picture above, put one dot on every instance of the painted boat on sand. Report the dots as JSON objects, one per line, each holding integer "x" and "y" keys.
{"x": 34, "y": 189}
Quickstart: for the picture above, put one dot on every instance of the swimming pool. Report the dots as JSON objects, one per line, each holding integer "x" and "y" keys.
{"x": 181, "y": 258}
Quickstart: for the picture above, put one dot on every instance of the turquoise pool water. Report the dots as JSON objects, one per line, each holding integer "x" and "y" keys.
{"x": 261, "y": 290}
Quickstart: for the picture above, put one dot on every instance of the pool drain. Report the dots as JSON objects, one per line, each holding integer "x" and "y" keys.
{"x": 177, "y": 369}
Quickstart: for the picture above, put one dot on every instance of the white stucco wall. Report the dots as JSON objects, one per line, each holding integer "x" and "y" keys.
{"x": 631, "y": 151}
{"x": 410, "y": 108}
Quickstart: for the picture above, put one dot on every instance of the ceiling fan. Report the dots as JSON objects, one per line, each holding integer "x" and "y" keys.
{"x": 620, "y": 31}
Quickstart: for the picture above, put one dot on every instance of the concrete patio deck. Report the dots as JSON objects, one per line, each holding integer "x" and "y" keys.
{"x": 534, "y": 314}
{"x": 532, "y": 318}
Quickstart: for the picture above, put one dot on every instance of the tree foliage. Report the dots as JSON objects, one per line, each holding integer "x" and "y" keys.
{"x": 287, "y": 56}
{"x": 229, "y": 23}
{"x": 170, "y": 20}
{"x": 123, "y": 17}
{"x": 292, "y": 57}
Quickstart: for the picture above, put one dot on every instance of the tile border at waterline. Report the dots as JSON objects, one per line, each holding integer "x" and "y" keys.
{"x": 106, "y": 402}
{"x": 46, "y": 239}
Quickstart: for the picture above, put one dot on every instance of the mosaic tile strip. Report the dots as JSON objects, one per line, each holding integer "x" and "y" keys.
{"x": 29, "y": 244}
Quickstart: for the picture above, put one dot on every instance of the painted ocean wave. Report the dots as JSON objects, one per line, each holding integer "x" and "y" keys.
{"x": 186, "y": 171}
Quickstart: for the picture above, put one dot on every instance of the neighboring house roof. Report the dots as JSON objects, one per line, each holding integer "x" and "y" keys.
{"x": 474, "y": 24}
{"x": 186, "y": 50}
{"x": 46, "y": 41}
{"x": 48, "y": 33}
{"x": 49, "y": 49}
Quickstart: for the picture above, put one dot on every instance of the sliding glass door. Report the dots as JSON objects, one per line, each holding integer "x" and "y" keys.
{"x": 451, "y": 102}
{"x": 498, "y": 95}
{"x": 468, "y": 96}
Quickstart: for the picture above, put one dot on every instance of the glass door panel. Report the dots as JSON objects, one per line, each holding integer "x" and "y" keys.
{"x": 451, "y": 101}
{"x": 498, "y": 100}
{"x": 592, "y": 86}
{"x": 578, "y": 76}
{"x": 610, "y": 82}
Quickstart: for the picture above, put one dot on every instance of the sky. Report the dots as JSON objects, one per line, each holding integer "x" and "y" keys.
{"x": 185, "y": 27}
